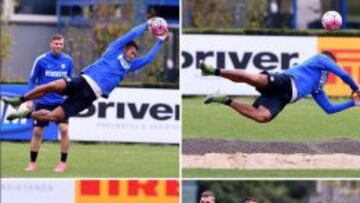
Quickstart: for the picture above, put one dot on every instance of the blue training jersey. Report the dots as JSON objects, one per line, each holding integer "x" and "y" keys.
{"x": 47, "y": 68}
{"x": 311, "y": 76}
{"x": 110, "y": 69}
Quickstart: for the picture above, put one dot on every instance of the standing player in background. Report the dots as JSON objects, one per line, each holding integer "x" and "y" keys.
{"x": 207, "y": 197}
{"x": 279, "y": 89}
{"x": 97, "y": 80}
{"x": 250, "y": 200}
{"x": 47, "y": 68}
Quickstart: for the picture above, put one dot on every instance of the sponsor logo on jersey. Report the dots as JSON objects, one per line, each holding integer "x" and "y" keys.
{"x": 123, "y": 62}
{"x": 55, "y": 74}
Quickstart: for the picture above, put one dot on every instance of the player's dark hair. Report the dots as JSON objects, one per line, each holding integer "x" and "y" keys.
{"x": 329, "y": 54}
{"x": 207, "y": 193}
{"x": 57, "y": 36}
{"x": 250, "y": 199}
{"x": 132, "y": 44}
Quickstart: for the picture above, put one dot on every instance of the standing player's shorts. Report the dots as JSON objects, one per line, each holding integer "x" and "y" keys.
{"x": 39, "y": 106}
{"x": 276, "y": 95}
{"x": 80, "y": 96}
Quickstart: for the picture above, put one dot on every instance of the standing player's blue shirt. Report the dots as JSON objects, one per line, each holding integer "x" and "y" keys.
{"x": 110, "y": 69}
{"x": 311, "y": 76}
{"x": 47, "y": 68}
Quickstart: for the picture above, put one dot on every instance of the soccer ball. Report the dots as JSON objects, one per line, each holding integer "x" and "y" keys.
{"x": 158, "y": 26}
{"x": 331, "y": 20}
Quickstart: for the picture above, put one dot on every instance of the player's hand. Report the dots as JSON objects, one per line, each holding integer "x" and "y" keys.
{"x": 163, "y": 37}
{"x": 357, "y": 92}
{"x": 357, "y": 100}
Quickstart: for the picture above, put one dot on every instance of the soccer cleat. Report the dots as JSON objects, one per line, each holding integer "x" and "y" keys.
{"x": 206, "y": 69}
{"x": 61, "y": 167}
{"x": 23, "y": 113}
{"x": 31, "y": 167}
{"x": 13, "y": 101}
{"x": 217, "y": 98}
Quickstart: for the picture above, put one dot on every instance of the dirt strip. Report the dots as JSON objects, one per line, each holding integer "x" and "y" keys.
{"x": 271, "y": 161}
{"x": 205, "y": 146}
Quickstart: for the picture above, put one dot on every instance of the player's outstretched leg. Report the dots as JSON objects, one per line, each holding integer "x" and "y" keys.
{"x": 21, "y": 113}
{"x": 256, "y": 80}
{"x": 57, "y": 86}
{"x": 217, "y": 98}
{"x": 13, "y": 101}
{"x": 261, "y": 114}
{"x": 55, "y": 115}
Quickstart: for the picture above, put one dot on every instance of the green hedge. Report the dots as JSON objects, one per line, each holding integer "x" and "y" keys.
{"x": 286, "y": 32}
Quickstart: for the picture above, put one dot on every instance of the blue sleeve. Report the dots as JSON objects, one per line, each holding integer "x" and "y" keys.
{"x": 148, "y": 58}
{"x": 116, "y": 46}
{"x": 332, "y": 67}
{"x": 70, "y": 72}
{"x": 34, "y": 75}
{"x": 322, "y": 100}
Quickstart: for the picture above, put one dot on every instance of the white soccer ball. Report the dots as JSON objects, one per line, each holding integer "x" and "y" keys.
{"x": 158, "y": 26}
{"x": 331, "y": 20}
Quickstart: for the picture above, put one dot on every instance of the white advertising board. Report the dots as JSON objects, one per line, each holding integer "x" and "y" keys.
{"x": 252, "y": 54}
{"x": 131, "y": 115}
{"x": 37, "y": 191}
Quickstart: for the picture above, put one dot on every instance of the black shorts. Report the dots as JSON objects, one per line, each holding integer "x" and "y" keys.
{"x": 39, "y": 106}
{"x": 80, "y": 96}
{"x": 276, "y": 95}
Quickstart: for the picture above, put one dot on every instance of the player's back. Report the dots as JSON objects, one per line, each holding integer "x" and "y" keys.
{"x": 308, "y": 76}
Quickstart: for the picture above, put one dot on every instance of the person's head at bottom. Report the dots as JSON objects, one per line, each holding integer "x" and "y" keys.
{"x": 250, "y": 200}
{"x": 207, "y": 197}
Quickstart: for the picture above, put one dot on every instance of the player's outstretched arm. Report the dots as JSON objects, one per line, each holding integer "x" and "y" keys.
{"x": 149, "y": 57}
{"x": 34, "y": 74}
{"x": 323, "y": 101}
{"x": 120, "y": 42}
{"x": 332, "y": 67}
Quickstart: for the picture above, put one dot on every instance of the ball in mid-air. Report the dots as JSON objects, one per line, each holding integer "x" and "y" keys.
{"x": 158, "y": 26}
{"x": 331, "y": 20}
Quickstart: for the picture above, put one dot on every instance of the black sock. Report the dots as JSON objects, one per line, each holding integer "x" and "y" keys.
{"x": 228, "y": 101}
{"x": 33, "y": 156}
{"x": 63, "y": 157}
{"x": 217, "y": 71}
{"x": 22, "y": 98}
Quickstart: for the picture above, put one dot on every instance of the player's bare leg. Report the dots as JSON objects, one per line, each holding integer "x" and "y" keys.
{"x": 255, "y": 80}
{"x": 57, "y": 86}
{"x": 55, "y": 115}
{"x": 34, "y": 147}
{"x": 260, "y": 114}
{"x": 64, "y": 148}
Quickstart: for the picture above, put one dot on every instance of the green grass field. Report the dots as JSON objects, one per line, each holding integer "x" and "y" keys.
{"x": 302, "y": 121}
{"x": 93, "y": 160}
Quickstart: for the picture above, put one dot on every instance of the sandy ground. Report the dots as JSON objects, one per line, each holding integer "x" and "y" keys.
{"x": 238, "y": 154}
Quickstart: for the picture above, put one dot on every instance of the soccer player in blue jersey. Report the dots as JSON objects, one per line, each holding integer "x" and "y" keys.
{"x": 279, "y": 89}
{"x": 97, "y": 80}
{"x": 48, "y": 67}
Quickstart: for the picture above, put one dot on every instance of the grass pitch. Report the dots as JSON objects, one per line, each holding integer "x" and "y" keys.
{"x": 93, "y": 160}
{"x": 302, "y": 121}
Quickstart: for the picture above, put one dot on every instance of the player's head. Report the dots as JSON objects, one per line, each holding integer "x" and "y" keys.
{"x": 207, "y": 197}
{"x": 250, "y": 200}
{"x": 131, "y": 50}
{"x": 329, "y": 54}
{"x": 57, "y": 44}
